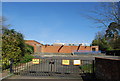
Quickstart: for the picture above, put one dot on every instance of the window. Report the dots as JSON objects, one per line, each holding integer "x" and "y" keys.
{"x": 93, "y": 49}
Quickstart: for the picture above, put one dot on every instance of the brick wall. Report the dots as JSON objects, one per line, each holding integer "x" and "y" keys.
{"x": 107, "y": 69}
{"x": 35, "y": 44}
{"x": 65, "y": 49}
{"x": 38, "y": 47}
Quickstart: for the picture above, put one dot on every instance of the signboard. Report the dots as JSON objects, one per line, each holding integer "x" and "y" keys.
{"x": 66, "y": 62}
{"x": 77, "y": 62}
{"x": 35, "y": 61}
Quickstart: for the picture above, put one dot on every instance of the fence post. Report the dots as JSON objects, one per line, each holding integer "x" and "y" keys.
{"x": 51, "y": 63}
{"x": 11, "y": 64}
{"x": 93, "y": 67}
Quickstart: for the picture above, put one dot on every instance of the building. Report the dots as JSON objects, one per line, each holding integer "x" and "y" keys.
{"x": 37, "y": 46}
{"x": 59, "y": 47}
{"x": 58, "y": 44}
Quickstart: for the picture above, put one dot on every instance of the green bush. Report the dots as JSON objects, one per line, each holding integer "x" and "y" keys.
{"x": 86, "y": 68}
{"x": 115, "y": 52}
{"x": 27, "y": 58}
{"x": 29, "y": 49}
{"x": 5, "y": 63}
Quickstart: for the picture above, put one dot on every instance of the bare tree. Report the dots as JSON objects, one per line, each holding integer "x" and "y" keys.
{"x": 105, "y": 13}
{"x": 108, "y": 16}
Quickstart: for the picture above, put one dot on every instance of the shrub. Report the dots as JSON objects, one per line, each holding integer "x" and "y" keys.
{"x": 29, "y": 49}
{"x": 86, "y": 68}
{"x": 27, "y": 58}
{"x": 113, "y": 52}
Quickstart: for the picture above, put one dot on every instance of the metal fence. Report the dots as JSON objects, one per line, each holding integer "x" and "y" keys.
{"x": 52, "y": 66}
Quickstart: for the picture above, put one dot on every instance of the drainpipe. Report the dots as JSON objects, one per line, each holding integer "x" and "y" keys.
{"x": 78, "y": 47}
{"x": 60, "y": 48}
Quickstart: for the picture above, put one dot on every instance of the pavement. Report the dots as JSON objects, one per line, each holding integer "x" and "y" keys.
{"x": 42, "y": 80}
{"x": 4, "y": 74}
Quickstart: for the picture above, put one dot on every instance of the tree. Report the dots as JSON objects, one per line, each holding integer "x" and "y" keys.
{"x": 106, "y": 13}
{"x": 113, "y": 35}
{"x": 12, "y": 45}
{"x": 116, "y": 44}
{"x": 113, "y": 31}
{"x": 110, "y": 39}
{"x": 0, "y": 35}
{"x": 29, "y": 49}
{"x": 101, "y": 42}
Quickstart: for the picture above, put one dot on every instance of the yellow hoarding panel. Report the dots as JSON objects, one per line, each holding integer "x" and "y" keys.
{"x": 66, "y": 62}
{"x": 77, "y": 62}
{"x": 35, "y": 61}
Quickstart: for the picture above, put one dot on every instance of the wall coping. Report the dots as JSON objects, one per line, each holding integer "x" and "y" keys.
{"x": 107, "y": 58}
